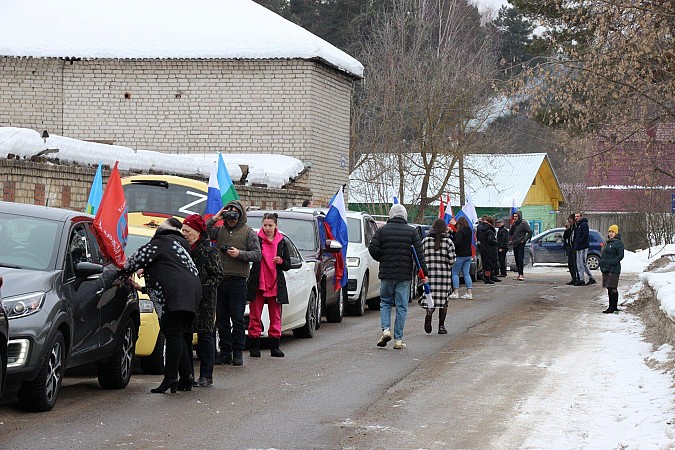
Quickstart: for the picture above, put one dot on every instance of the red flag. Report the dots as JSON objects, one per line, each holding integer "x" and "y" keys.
{"x": 441, "y": 209}
{"x": 110, "y": 223}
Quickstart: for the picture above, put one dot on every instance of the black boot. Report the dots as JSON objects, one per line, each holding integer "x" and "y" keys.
{"x": 254, "y": 347}
{"x": 487, "y": 277}
{"x": 442, "y": 312}
{"x": 224, "y": 358}
{"x": 237, "y": 359}
{"x": 427, "y": 320}
{"x": 614, "y": 301}
{"x": 494, "y": 278}
{"x": 274, "y": 348}
{"x": 185, "y": 383}
{"x": 166, "y": 384}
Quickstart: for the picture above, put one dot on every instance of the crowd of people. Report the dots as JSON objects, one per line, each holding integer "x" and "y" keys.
{"x": 200, "y": 275}
{"x": 446, "y": 252}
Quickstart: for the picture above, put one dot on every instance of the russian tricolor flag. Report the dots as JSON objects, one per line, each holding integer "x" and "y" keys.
{"x": 336, "y": 229}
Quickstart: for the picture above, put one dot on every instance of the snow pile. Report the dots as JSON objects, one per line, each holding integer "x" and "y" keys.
{"x": 263, "y": 169}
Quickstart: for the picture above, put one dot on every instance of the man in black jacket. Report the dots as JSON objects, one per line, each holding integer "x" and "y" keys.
{"x": 581, "y": 236}
{"x": 392, "y": 247}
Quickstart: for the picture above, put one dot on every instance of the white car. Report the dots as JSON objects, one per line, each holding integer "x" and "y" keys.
{"x": 363, "y": 286}
{"x": 301, "y": 313}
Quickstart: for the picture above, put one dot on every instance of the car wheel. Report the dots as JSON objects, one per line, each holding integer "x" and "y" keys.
{"x": 335, "y": 313}
{"x": 593, "y": 262}
{"x": 115, "y": 372}
{"x": 359, "y": 306}
{"x": 41, "y": 393}
{"x": 153, "y": 364}
{"x": 307, "y": 331}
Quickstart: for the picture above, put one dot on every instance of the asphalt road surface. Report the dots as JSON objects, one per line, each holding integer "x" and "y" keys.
{"x": 337, "y": 390}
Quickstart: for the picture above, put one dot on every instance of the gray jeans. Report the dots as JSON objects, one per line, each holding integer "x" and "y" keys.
{"x": 582, "y": 265}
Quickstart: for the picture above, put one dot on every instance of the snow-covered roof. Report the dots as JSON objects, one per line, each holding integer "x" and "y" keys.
{"x": 221, "y": 29}
{"x": 264, "y": 169}
{"x": 492, "y": 180}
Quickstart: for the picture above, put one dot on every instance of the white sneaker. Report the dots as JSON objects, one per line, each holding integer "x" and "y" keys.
{"x": 398, "y": 344}
{"x": 454, "y": 294}
{"x": 468, "y": 296}
{"x": 386, "y": 337}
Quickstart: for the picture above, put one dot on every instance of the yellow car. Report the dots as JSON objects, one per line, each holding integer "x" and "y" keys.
{"x": 150, "y": 344}
{"x": 153, "y": 198}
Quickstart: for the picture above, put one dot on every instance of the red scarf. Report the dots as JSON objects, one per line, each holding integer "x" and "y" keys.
{"x": 268, "y": 270}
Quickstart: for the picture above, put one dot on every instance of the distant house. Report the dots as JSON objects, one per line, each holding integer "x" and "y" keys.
{"x": 626, "y": 184}
{"x": 495, "y": 183}
{"x": 217, "y": 76}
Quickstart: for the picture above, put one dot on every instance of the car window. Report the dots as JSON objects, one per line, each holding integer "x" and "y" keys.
{"x": 292, "y": 251}
{"x": 354, "y": 229}
{"x": 371, "y": 227}
{"x": 553, "y": 238}
{"x": 79, "y": 249}
{"x": 27, "y": 242}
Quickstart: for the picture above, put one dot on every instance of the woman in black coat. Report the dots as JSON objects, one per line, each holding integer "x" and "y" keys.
{"x": 610, "y": 266}
{"x": 267, "y": 285}
{"x": 210, "y": 269}
{"x": 488, "y": 250}
{"x": 172, "y": 283}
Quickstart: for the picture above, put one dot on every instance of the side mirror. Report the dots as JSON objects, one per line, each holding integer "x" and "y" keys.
{"x": 87, "y": 269}
{"x": 296, "y": 263}
{"x": 333, "y": 246}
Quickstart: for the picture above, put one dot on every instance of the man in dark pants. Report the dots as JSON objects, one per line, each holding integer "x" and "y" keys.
{"x": 520, "y": 233}
{"x": 502, "y": 246}
{"x": 568, "y": 244}
{"x": 239, "y": 246}
{"x": 581, "y": 243}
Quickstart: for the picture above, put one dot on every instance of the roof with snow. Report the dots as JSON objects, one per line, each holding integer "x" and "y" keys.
{"x": 203, "y": 29}
{"x": 492, "y": 180}
{"x": 263, "y": 169}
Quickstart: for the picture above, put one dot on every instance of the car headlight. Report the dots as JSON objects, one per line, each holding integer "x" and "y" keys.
{"x": 145, "y": 306}
{"x": 23, "y": 305}
{"x": 353, "y": 262}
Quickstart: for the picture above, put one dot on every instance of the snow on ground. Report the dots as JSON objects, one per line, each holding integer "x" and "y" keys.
{"x": 611, "y": 399}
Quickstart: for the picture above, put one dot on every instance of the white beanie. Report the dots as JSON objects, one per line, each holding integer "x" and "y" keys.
{"x": 398, "y": 210}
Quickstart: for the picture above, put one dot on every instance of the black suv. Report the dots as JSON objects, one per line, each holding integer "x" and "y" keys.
{"x": 307, "y": 232}
{"x": 65, "y": 303}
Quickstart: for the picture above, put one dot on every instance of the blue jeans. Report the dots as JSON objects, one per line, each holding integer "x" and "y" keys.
{"x": 206, "y": 348}
{"x": 394, "y": 293}
{"x": 463, "y": 265}
{"x": 230, "y": 310}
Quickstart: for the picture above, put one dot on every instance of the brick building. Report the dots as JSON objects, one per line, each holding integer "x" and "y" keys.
{"x": 233, "y": 77}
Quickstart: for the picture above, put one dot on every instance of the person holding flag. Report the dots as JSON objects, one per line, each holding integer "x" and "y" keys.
{"x": 440, "y": 253}
{"x": 335, "y": 225}
{"x": 392, "y": 246}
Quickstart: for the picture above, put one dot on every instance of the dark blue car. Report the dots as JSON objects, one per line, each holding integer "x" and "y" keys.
{"x": 547, "y": 247}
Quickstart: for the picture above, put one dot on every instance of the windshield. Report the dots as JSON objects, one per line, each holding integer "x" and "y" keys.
{"x": 28, "y": 242}
{"x": 134, "y": 241}
{"x": 164, "y": 198}
{"x": 300, "y": 231}
{"x": 354, "y": 229}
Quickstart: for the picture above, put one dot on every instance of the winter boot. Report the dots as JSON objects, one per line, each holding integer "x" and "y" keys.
{"x": 442, "y": 312}
{"x": 254, "y": 347}
{"x": 614, "y": 301}
{"x": 486, "y": 277}
{"x": 427, "y": 320}
{"x": 274, "y": 348}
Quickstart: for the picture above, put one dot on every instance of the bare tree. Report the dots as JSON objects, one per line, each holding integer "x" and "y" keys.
{"x": 429, "y": 72}
{"x": 610, "y": 71}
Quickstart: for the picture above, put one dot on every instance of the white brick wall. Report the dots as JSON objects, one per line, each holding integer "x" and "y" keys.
{"x": 297, "y": 108}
